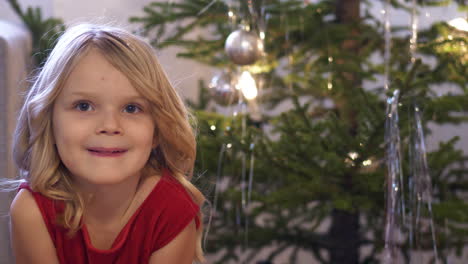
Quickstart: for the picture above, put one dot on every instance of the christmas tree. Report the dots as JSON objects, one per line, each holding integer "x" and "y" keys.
{"x": 323, "y": 160}
{"x": 312, "y": 178}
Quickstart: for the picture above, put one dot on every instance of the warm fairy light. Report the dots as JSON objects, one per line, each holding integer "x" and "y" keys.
{"x": 230, "y": 14}
{"x": 262, "y": 35}
{"x": 330, "y": 59}
{"x": 247, "y": 85}
{"x": 459, "y": 23}
{"x": 367, "y": 162}
{"x": 229, "y": 145}
{"x": 330, "y": 86}
{"x": 353, "y": 155}
{"x": 213, "y": 127}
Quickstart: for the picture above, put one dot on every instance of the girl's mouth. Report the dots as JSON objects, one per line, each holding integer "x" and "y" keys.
{"x": 107, "y": 152}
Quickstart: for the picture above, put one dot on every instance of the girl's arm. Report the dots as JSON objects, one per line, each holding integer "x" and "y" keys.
{"x": 30, "y": 239}
{"x": 181, "y": 250}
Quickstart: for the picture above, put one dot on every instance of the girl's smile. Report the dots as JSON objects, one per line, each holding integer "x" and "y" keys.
{"x": 107, "y": 152}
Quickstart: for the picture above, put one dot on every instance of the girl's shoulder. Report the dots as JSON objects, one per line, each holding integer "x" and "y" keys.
{"x": 25, "y": 209}
{"x": 24, "y": 204}
{"x": 167, "y": 200}
{"x": 170, "y": 208}
{"x": 28, "y": 227}
{"x": 40, "y": 200}
{"x": 168, "y": 189}
{"x": 46, "y": 209}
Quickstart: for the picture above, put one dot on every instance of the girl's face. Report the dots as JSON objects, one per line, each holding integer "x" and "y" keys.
{"x": 102, "y": 126}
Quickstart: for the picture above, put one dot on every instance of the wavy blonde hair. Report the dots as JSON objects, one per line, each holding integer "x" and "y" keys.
{"x": 34, "y": 152}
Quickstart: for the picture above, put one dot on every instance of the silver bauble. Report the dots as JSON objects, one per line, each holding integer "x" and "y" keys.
{"x": 222, "y": 89}
{"x": 243, "y": 47}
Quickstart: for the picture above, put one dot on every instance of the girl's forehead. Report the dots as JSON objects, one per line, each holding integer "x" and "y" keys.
{"x": 94, "y": 75}
{"x": 94, "y": 65}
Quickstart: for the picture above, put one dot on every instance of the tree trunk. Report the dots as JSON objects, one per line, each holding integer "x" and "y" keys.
{"x": 344, "y": 234}
{"x": 344, "y": 231}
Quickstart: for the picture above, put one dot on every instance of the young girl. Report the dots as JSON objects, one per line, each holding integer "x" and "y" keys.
{"x": 105, "y": 149}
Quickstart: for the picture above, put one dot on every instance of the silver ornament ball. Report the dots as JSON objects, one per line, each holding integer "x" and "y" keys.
{"x": 243, "y": 47}
{"x": 222, "y": 89}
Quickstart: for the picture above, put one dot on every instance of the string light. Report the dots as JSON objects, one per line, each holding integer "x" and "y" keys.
{"x": 262, "y": 35}
{"x": 459, "y": 23}
{"x": 353, "y": 155}
{"x": 247, "y": 85}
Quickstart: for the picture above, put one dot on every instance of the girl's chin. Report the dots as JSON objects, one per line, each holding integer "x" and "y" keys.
{"x": 105, "y": 180}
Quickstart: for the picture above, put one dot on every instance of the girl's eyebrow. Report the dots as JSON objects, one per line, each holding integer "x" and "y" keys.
{"x": 127, "y": 98}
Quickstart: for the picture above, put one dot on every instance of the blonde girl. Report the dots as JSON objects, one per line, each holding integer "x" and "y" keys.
{"x": 106, "y": 150}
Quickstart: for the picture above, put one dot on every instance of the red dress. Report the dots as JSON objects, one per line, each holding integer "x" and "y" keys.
{"x": 166, "y": 211}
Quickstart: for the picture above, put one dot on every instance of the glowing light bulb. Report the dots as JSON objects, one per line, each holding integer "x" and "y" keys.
{"x": 213, "y": 127}
{"x": 353, "y": 155}
{"x": 247, "y": 85}
{"x": 459, "y": 23}
{"x": 262, "y": 35}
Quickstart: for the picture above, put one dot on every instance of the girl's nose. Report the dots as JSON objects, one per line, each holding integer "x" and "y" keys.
{"x": 110, "y": 124}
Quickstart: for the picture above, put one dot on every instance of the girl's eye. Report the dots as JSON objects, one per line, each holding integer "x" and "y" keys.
{"x": 83, "y": 106}
{"x": 131, "y": 108}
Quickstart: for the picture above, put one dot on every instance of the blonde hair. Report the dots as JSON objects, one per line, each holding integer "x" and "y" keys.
{"x": 34, "y": 152}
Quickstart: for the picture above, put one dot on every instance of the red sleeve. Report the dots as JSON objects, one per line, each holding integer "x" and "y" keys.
{"x": 177, "y": 212}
